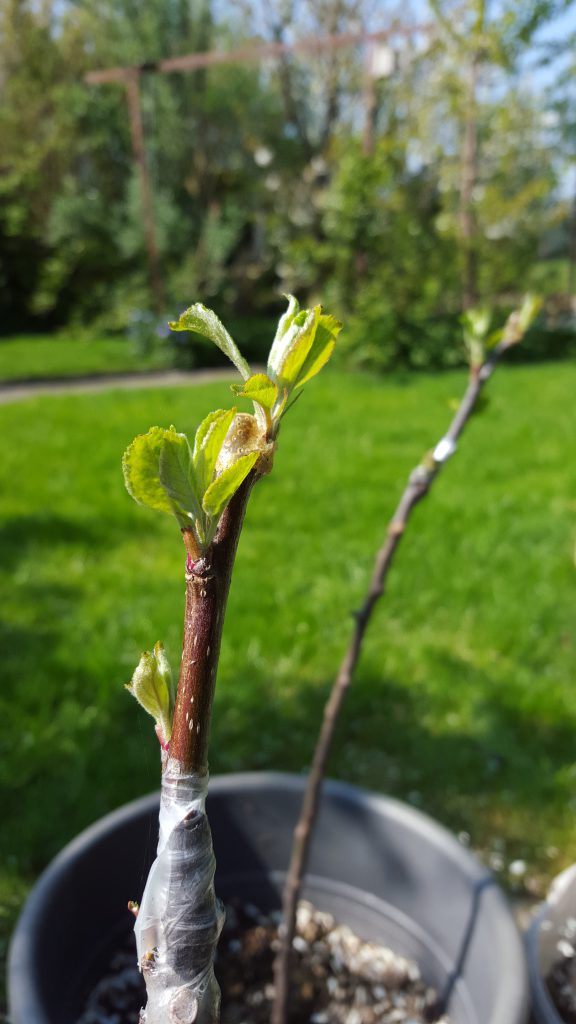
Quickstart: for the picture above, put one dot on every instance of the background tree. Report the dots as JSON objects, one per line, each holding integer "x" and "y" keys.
{"x": 480, "y": 46}
{"x": 402, "y": 197}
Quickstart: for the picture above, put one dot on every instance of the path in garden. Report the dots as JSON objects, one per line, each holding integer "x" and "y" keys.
{"x": 14, "y": 391}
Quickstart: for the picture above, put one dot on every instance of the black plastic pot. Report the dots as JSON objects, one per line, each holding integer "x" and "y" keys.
{"x": 391, "y": 873}
{"x": 542, "y": 939}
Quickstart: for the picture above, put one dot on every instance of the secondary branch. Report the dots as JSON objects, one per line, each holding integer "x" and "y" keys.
{"x": 419, "y": 483}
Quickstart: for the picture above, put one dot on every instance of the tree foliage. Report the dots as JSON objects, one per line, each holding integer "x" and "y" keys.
{"x": 262, "y": 177}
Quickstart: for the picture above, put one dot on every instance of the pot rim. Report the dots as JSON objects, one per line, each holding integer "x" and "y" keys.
{"x": 506, "y": 936}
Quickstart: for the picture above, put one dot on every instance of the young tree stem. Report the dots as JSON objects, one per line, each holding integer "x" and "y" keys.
{"x": 180, "y": 918}
{"x": 207, "y": 585}
{"x": 418, "y": 485}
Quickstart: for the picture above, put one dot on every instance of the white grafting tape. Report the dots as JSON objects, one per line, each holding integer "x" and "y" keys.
{"x": 180, "y": 919}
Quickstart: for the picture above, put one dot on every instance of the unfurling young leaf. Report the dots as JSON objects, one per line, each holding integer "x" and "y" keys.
{"x": 205, "y": 322}
{"x": 322, "y": 348}
{"x": 476, "y": 350}
{"x": 476, "y": 324}
{"x": 225, "y": 486}
{"x": 141, "y": 466}
{"x": 298, "y": 341}
{"x": 209, "y": 439}
{"x": 300, "y": 346}
{"x": 177, "y": 474}
{"x": 284, "y": 324}
{"x": 494, "y": 338}
{"x": 304, "y": 342}
{"x": 163, "y": 473}
{"x": 521, "y": 319}
{"x": 528, "y": 311}
{"x": 153, "y": 688}
{"x": 477, "y": 321}
{"x": 259, "y": 388}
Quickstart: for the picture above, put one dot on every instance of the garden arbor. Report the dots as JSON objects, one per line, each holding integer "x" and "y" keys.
{"x": 379, "y": 63}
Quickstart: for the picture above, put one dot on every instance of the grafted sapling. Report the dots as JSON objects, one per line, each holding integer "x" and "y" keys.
{"x": 206, "y": 487}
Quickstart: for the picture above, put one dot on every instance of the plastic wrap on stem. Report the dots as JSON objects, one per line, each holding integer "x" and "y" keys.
{"x": 180, "y": 919}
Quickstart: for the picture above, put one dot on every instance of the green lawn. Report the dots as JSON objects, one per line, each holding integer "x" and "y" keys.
{"x": 465, "y": 701}
{"x": 32, "y": 356}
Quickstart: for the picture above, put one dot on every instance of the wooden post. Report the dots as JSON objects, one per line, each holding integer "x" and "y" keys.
{"x": 468, "y": 180}
{"x": 369, "y": 102}
{"x": 572, "y": 250}
{"x": 132, "y": 82}
{"x": 130, "y": 78}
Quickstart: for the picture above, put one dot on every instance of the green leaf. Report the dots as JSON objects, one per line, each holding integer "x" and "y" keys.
{"x": 225, "y": 486}
{"x": 259, "y": 388}
{"x": 521, "y": 319}
{"x": 278, "y": 345}
{"x": 322, "y": 348}
{"x": 152, "y": 687}
{"x": 208, "y": 442}
{"x": 177, "y": 475}
{"x": 528, "y": 311}
{"x": 476, "y": 350}
{"x": 476, "y": 322}
{"x": 205, "y": 322}
{"x": 494, "y": 338}
{"x": 141, "y": 467}
{"x": 300, "y": 343}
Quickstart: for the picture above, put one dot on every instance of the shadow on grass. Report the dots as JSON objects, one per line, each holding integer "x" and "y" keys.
{"x": 66, "y": 754}
{"x": 389, "y": 739}
{"x": 82, "y": 754}
{"x": 45, "y": 531}
{"x": 77, "y": 765}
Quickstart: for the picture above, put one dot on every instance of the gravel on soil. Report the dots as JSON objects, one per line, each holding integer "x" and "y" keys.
{"x": 338, "y": 978}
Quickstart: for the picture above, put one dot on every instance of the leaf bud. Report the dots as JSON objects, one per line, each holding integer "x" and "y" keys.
{"x": 244, "y": 436}
{"x": 152, "y": 687}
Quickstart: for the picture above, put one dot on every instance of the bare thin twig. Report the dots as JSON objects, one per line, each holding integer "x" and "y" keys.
{"x": 419, "y": 483}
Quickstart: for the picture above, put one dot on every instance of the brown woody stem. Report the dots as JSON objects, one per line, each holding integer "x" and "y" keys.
{"x": 418, "y": 485}
{"x": 207, "y": 585}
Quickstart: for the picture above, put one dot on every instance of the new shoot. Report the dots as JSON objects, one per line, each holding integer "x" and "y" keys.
{"x": 205, "y": 484}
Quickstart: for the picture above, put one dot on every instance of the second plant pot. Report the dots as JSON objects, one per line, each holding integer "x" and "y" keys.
{"x": 542, "y": 940}
{"x": 388, "y": 871}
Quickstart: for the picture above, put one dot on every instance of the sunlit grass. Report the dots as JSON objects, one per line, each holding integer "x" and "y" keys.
{"x": 43, "y": 356}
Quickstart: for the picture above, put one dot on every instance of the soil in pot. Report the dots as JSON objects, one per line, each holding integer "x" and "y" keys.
{"x": 337, "y": 978}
